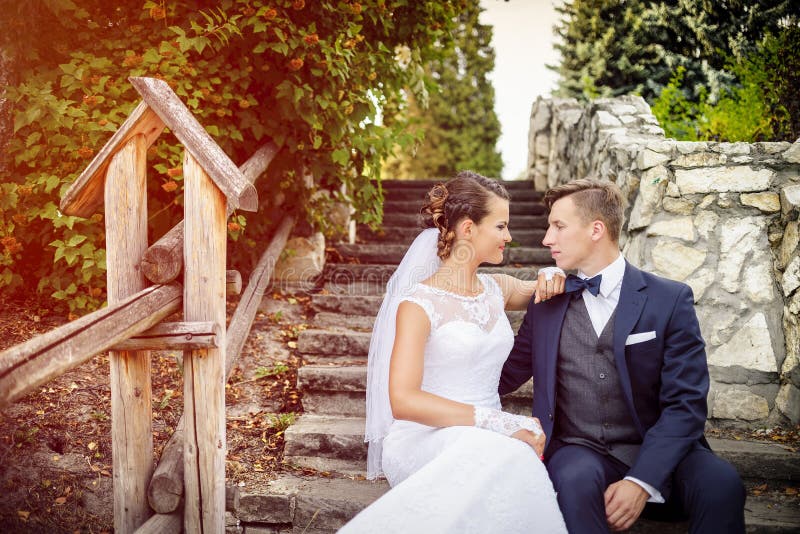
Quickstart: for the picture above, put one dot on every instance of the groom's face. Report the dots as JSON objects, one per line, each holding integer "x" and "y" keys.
{"x": 568, "y": 237}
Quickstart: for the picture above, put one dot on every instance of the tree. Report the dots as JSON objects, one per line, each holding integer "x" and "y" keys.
{"x": 312, "y": 78}
{"x": 613, "y": 47}
{"x": 460, "y": 126}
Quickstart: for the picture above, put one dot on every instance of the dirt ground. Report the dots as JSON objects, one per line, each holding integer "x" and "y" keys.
{"x": 55, "y": 444}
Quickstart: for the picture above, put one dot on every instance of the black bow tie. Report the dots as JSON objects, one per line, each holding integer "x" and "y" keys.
{"x": 577, "y": 285}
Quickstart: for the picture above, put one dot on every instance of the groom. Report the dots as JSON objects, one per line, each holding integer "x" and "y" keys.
{"x": 620, "y": 382}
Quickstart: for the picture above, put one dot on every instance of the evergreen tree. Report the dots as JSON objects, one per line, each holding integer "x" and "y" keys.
{"x": 460, "y": 126}
{"x": 612, "y": 47}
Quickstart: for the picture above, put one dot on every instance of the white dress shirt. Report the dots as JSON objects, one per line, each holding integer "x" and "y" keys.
{"x": 600, "y": 309}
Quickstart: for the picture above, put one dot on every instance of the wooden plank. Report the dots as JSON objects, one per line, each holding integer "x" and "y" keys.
{"x": 163, "y": 261}
{"x": 166, "y": 486}
{"x": 204, "y": 369}
{"x": 163, "y": 524}
{"x": 240, "y": 193}
{"x": 131, "y": 395}
{"x": 233, "y": 282}
{"x": 85, "y": 196}
{"x": 26, "y": 366}
{"x": 242, "y": 319}
{"x": 176, "y": 336}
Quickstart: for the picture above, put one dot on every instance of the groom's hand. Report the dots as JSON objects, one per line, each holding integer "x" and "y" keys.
{"x": 625, "y": 501}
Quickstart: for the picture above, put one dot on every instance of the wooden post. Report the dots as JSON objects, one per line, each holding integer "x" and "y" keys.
{"x": 204, "y": 370}
{"x": 131, "y": 410}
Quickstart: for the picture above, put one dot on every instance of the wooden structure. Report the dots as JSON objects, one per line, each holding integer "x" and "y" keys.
{"x": 129, "y": 327}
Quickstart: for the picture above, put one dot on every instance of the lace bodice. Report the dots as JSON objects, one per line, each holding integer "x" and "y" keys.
{"x": 469, "y": 341}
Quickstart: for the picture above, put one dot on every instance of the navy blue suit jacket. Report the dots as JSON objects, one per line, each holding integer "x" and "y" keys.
{"x": 664, "y": 380}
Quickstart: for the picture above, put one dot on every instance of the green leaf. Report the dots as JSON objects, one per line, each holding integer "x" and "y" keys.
{"x": 260, "y": 48}
{"x": 341, "y": 156}
{"x": 76, "y": 240}
{"x": 52, "y": 183}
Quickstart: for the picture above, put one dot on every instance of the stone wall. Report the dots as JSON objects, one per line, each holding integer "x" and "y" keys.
{"x": 721, "y": 217}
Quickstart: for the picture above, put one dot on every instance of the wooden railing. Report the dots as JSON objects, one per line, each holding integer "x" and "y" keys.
{"x": 192, "y": 466}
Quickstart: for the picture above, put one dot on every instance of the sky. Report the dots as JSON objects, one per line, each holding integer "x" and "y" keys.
{"x": 523, "y": 43}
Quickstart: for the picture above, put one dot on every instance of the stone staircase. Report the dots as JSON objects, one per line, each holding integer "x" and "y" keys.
{"x": 328, "y": 437}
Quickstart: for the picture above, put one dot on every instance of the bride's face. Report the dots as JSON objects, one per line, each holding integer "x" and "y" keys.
{"x": 490, "y": 236}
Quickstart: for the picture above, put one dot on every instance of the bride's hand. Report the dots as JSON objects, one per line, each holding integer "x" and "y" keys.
{"x": 550, "y": 282}
{"x": 536, "y": 441}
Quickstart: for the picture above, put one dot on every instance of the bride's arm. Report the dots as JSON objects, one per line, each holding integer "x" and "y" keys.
{"x": 518, "y": 293}
{"x": 408, "y": 400}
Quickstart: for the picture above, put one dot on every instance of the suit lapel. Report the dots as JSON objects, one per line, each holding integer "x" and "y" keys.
{"x": 629, "y": 309}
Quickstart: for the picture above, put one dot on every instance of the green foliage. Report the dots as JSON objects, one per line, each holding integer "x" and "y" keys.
{"x": 762, "y": 106}
{"x": 459, "y": 129}
{"x": 312, "y": 78}
{"x": 613, "y": 47}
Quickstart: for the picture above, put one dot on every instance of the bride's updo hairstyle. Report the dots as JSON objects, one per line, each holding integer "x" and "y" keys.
{"x": 466, "y": 196}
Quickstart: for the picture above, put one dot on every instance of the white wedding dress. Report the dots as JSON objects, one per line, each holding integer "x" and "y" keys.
{"x": 461, "y": 479}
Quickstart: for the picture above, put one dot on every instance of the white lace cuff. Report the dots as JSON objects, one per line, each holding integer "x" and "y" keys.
{"x": 549, "y": 272}
{"x": 504, "y": 423}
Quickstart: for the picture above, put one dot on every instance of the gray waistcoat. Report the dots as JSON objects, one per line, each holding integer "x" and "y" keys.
{"x": 590, "y": 407}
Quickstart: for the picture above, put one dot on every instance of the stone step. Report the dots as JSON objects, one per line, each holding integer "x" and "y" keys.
{"x": 347, "y": 304}
{"x": 333, "y": 342}
{"x": 343, "y": 274}
{"x": 341, "y": 390}
{"x": 412, "y": 220}
{"x": 316, "y": 505}
{"x": 515, "y": 208}
{"x": 405, "y": 235}
{"x": 355, "y": 288}
{"x": 341, "y": 438}
{"x": 425, "y": 184}
{"x": 383, "y": 253}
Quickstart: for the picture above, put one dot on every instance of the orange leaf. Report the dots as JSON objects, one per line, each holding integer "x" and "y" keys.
{"x": 24, "y": 515}
{"x": 61, "y": 500}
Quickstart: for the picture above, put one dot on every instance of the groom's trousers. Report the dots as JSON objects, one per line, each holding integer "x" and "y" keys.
{"x": 706, "y": 490}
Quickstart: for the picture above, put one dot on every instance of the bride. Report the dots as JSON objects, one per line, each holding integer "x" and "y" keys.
{"x": 455, "y": 461}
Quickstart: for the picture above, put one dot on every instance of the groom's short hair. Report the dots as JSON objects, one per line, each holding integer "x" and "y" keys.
{"x": 594, "y": 200}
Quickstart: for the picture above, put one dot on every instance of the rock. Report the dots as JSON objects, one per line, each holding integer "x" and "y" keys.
{"x": 792, "y": 155}
{"x": 676, "y": 261}
{"x": 790, "y": 198}
{"x": 678, "y": 227}
{"x": 678, "y": 206}
{"x": 788, "y": 402}
{"x": 734, "y": 148}
{"x": 688, "y": 147}
{"x": 651, "y": 188}
{"x": 542, "y": 144}
{"x": 707, "y": 201}
{"x": 700, "y": 159}
{"x": 722, "y": 179}
{"x": 715, "y": 321}
{"x": 724, "y": 200}
{"x": 302, "y": 259}
{"x": 739, "y": 403}
{"x": 624, "y": 109}
{"x": 791, "y": 277}
{"x": 706, "y": 223}
{"x": 662, "y": 146}
{"x": 772, "y": 147}
{"x": 766, "y": 202}
{"x": 738, "y": 238}
{"x": 672, "y": 190}
{"x": 741, "y": 159}
{"x": 701, "y": 280}
{"x": 607, "y": 120}
{"x": 540, "y": 115}
{"x": 750, "y": 347}
{"x": 649, "y": 158}
{"x": 758, "y": 280}
{"x": 789, "y": 242}
{"x": 634, "y": 250}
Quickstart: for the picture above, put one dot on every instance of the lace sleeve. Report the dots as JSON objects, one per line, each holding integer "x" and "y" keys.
{"x": 426, "y": 305}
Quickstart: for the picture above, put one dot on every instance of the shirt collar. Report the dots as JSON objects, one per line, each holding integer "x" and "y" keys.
{"x": 612, "y": 276}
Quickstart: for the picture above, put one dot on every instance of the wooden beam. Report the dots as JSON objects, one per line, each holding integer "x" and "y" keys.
{"x": 131, "y": 391}
{"x": 85, "y": 196}
{"x": 176, "y": 336}
{"x": 228, "y": 178}
{"x": 204, "y": 369}
{"x": 163, "y": 524}
{"x": 163, "y": 261}
{"x": 166, "y": 487}
{"x": 26, "y": 366}
{"x": 233, "y": 282}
